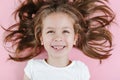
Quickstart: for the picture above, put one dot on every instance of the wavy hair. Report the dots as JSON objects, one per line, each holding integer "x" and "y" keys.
{"x": 92, "y": 17}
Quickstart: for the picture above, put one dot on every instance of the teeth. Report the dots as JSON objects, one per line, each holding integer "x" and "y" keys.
{"x": 58, "y": 47}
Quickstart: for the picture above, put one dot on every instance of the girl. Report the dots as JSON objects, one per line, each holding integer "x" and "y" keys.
{"x": 57, "y": 26}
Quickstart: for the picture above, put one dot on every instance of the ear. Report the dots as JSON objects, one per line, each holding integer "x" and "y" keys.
{"x": 41, "y": 40}
{"x": 75, "y": 39}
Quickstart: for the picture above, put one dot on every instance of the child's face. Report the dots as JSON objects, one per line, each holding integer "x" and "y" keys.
{"x": 58, "y": 34}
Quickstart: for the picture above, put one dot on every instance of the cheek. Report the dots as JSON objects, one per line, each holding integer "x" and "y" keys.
{"x": 47, "y": 40}
{"x": 70, "y": 40}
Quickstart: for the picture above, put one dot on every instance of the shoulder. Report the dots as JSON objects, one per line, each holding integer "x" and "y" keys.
{"x": 81, "y": 66}
{"x": 32, "y": 67}
{"x": 83, "y": 70}
{"x": 80, "y": 63}
{"x": 35, "y": 62}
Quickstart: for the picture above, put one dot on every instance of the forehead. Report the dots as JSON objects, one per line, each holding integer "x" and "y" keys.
{"x": 58, "y": 19}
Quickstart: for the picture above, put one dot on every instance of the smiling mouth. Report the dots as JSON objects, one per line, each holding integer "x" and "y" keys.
{"x": 58, "y": 47}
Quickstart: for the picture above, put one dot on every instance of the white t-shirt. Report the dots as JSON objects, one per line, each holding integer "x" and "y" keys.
{"x": 40, "y": 70}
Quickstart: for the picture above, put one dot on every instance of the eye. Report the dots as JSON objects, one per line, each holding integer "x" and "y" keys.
{"x": 50, "y": 32}
{"x": 66, "y": 31}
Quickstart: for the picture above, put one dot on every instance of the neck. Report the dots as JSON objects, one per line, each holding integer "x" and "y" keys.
{"x": 58, "y": 62}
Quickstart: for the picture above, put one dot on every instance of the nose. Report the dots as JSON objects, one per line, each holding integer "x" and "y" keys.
{"x": 58, "y": 38}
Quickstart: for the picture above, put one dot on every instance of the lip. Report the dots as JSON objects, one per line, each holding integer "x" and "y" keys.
{"x": 58, "y": 47}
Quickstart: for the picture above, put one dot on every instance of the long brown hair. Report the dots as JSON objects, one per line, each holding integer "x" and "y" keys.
{"x": 92, "y": 17}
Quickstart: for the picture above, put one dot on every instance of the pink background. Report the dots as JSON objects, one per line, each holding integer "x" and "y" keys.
{"x": 108, "y": 70}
